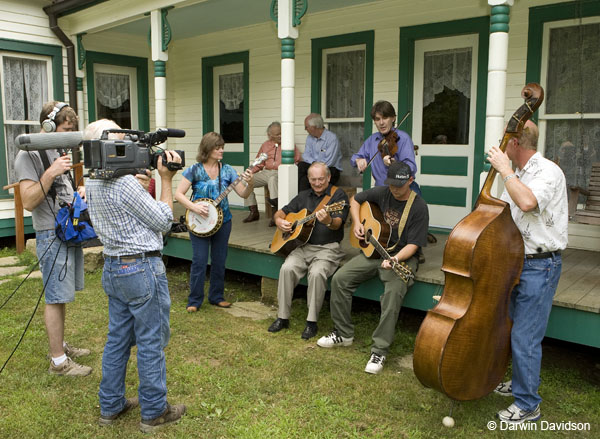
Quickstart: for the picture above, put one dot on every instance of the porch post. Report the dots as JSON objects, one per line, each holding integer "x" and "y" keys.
{"x": 80, "y": 76}
{"x": 160, "y": 36}
{"x": 496, "y": 91}
{"x": 287, "y": 33}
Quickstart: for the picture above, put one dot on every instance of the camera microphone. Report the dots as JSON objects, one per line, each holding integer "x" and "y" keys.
{"x": 40, "y": 141}
{"x": 172, "y": 132}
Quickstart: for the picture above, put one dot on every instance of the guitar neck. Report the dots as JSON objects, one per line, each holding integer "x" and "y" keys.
{"x": 310, "y": 217}
{"x": 382, "y": 251}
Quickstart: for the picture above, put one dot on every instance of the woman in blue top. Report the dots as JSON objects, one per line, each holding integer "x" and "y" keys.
{"x": 208, "y": 179}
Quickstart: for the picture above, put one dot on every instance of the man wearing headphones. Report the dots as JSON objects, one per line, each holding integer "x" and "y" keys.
{"x": 44, "y": 184}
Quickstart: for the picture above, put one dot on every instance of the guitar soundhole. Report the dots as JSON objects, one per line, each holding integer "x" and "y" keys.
{"x": 286, "y": 235}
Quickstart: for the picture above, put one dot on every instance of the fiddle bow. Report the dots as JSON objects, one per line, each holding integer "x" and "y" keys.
{"x": 387, "y": 145}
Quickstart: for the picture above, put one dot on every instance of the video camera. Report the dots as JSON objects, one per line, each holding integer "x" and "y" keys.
{"x": 111, "y": 158}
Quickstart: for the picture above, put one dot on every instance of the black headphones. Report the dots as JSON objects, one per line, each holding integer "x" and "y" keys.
{"x": 49, "y": 126}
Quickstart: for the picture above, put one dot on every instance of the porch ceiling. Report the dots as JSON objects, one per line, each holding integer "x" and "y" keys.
{"x": 189, "y": 20}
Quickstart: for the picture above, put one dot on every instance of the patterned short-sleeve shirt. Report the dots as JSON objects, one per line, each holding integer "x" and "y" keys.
{"x": 205, "y": 187}
{"x": 545, "y": 228}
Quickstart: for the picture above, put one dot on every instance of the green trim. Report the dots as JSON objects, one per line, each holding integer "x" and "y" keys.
{"x": 300, "y": 7}
{"x": 141, "y": 66}
{"x": 273, "y": 11}
{"x": 287, "y": 48}
{"x": 445, "y": 196}
{"x": 79, "y": 84}
{"x": 499, "y": 19}
{"x": 540, "y": 15}
{"x": 318, "y": 45}
{"x": 208, "y": 120}
{"x": 440, "y": 165}
{"x": 408, "y": 36}
{"x": 287, "y": 157}
{"x": 7, "y": 226}
{"x": 80, "y": 51}
{"x": 160, "y": 69}
{"x": 574, "y": 325}
{"x": 166, "y": 33}
{"x": 56, "y": 61}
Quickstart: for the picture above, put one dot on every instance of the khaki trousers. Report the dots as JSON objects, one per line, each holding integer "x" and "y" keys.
{"x": 317, "y": 262}
{"x": 266, "y": 177}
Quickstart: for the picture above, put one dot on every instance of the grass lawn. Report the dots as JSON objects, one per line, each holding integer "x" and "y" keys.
{"x": 239, "y": 381}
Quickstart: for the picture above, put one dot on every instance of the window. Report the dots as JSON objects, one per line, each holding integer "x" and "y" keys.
{"x": 343, "y": 101}
{"x": 229, "y": 105}
{"x": 570, "y": 115}
{"x": 26, "y": 81}
{"x": 116, "y": 94}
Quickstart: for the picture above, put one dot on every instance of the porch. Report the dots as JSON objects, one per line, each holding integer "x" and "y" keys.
{"x": 575, "y": 314}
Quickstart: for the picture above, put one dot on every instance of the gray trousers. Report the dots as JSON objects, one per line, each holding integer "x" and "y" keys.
{"x": 317, "y": 262}
{"x": 356, "y": 271}
{"x": 266, "y": 177}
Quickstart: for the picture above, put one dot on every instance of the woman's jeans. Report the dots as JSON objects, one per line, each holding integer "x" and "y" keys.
{"x": 217, "y": 244}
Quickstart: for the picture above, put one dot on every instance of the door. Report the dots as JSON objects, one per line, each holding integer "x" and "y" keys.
{"x": 445, "y": 87}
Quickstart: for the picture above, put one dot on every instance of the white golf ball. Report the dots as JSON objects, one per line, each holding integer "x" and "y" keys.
{"x": 448, "y": 421}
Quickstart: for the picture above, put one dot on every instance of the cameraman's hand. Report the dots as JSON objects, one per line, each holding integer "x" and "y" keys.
{"x": 60, "y": 166}
{"x": 144, "y": 179}
{"x": 163, "y": 171}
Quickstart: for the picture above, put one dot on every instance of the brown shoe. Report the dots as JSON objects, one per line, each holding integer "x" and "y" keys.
{"x": 222, "y": 304}
{"x": 69, "y": 368}
{"x": 171, "y": 414}
{"x": 130, "y": 403}
{"x": 253, "y": 216}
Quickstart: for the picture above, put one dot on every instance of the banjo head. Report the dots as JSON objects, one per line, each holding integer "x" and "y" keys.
{"x": 201, "y": 226}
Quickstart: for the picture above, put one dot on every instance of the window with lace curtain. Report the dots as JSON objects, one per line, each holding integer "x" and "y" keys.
{"x": 116, "y": 94}
{"x": 25, "y": 83}
{"x": 343, "y": 101}
{"x": 570, "y": 115}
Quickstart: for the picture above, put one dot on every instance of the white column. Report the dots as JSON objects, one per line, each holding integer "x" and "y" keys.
{"x": 496, "y": 91}
{"x": 287, "y": 33}
{"x": 160, "y": 57}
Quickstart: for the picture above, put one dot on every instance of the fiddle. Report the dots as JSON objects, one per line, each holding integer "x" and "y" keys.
{"x": 388, "y": 146}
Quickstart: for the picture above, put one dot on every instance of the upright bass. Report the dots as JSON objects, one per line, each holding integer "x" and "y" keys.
{"x": 463, "y": 346}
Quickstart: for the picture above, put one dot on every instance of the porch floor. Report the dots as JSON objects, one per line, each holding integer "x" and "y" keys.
{"x": 576, "y": 307}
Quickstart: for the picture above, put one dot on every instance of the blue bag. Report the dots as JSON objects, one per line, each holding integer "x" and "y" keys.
{"x": 73, "y": 222}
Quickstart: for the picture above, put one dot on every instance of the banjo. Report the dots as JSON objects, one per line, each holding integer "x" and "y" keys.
{"x": 209, "y": 225}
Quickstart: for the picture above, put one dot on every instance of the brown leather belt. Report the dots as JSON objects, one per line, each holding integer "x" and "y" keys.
{"x": 544, "y": 255}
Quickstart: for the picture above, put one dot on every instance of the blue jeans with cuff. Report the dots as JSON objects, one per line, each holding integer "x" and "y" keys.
{"x": 530, "y": 306}
{"x": 138, "y": 313}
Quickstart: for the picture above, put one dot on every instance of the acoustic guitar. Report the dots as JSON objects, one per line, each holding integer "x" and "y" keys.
{"x": 377, "y": 237}
{"x": 209, "y": 225}
{"x": 284, "y": 243}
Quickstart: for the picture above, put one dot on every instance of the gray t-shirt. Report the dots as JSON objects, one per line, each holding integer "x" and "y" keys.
{"x": 28, "y": 166}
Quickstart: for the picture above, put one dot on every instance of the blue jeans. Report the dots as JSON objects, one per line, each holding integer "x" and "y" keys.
{"x": 138, "y": 313}
{"x": 217, "y": 244}
{"x": 530, "y": 306}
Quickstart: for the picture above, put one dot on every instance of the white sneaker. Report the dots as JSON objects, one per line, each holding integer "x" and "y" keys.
{"x": 504, "y": 389}
{"x": 333, "y": 339}
{"x": 375, "y": 364}
{"x": 514, "y": 415}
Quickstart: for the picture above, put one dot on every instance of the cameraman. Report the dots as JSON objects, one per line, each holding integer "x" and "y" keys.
{"x": 43, "y": 187}
{"x": 129, "y": 223}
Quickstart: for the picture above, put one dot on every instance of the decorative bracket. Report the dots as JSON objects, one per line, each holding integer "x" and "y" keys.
{"x": 80, "y": 51}
{"x": 300, "y": 7}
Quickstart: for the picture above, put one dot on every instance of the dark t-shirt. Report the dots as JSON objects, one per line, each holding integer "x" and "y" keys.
{"x": 417, "y": 224}
{"x": 307, "y": 199}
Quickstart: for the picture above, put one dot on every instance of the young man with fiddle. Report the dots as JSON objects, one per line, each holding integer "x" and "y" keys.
{"x": 407, "y": 215}
{"x": 537, "y": 195}
{"x": 384, "y": 116}
{"x": 319, "y": 257}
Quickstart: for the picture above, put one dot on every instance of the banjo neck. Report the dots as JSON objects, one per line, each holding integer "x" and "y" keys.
{"x": 261, "y": 158}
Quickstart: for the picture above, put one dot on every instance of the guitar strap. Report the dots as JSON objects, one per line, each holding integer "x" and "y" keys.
{"x": 326, "y": 199}
{"x": 404, "y": 217}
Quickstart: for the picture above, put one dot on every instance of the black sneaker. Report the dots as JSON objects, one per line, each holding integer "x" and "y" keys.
{"x": 171, "y": 414}
{"x": 130, "y": 403}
